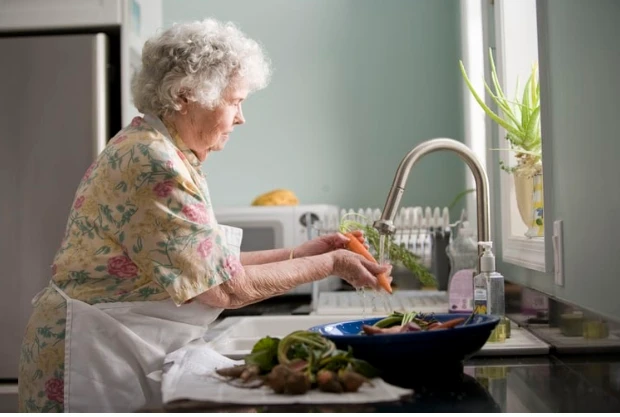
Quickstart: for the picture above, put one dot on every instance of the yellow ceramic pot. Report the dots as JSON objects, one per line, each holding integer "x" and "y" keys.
{"x": 537, "y": 228}
{"x": 529, "y": 195}
{"x": 523, "y": 191}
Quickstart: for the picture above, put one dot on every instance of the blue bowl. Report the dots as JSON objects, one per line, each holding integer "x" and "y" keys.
{"x": 422, "y": 352}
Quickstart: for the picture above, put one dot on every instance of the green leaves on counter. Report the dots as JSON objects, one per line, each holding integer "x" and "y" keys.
{"x": 299, "y": 362}
{"x": 307, "y": 352}
{"x": 264, "y": 354}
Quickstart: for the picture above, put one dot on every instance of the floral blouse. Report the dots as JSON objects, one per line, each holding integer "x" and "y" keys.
{"x": 141, "y": 228}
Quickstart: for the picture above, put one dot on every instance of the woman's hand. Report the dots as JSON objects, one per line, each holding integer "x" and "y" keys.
{"x": 326, "y": 243}
{"x": 358, "y": 271}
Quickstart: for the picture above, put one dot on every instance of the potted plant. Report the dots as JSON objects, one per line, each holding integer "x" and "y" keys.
{"x": 521, "y": 120}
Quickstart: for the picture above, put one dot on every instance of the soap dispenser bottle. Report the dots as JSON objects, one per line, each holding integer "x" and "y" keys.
{"x": 481, "y": 289}
{"x": 497, "y": 302}
{"x": 495, "y": 296}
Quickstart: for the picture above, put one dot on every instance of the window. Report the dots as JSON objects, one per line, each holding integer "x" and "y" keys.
{"x": 516, "y": 50}
{"x": 509, "y": 28}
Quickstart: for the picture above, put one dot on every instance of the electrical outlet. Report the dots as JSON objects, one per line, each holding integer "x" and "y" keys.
{"x": 558, "y": 253}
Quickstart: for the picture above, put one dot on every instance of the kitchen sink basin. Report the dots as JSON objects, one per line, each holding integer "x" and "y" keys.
{"x": 234, "y": 337}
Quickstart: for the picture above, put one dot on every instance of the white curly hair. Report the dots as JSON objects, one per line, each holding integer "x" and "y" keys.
{"x": 196, "y": 60}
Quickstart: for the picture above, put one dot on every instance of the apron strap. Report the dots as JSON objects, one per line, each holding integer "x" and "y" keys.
{"x": 61, "y": 292}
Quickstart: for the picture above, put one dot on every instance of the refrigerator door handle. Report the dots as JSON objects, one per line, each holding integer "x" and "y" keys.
{"x": 100, "y": 93}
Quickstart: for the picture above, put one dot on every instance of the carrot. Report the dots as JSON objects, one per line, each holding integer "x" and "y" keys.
{"x": 448, "y": 324}
{"x": 356, "y": 246}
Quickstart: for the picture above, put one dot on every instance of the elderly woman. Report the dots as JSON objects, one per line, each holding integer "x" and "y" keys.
{"x": 144, "y": 267}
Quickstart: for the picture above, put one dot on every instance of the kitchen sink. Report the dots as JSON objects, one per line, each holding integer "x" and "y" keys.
{"x": 234, "y": 337}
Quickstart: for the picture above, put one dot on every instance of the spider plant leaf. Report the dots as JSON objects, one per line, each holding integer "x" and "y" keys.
{"x": 495, "y": 79}
{"x": 525, "y": 107}
{"x": 535, "y": 86}
{"x": 508, "y": 104}
{"x": 533, "y": 128}
{"x": 504, "y": 106}
{"x": 520, "y": 117}
{"x": 482, "y": 104}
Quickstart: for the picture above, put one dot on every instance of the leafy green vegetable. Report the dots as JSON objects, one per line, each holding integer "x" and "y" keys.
{"x": 299, "y": 351}
{"x": 410, "y": 261}
{"x": 400, "y": 319}
{"x": 470, "y": 318}
{"x": 298, "y": 362}
{"x": 264, "y": 354}
{"x": 310, "y": 352}
{"x": 363, "y": 368}
{"x": 391, "y": 320}
{"x": 408, "y": 318}
{"x": 339, "y": 360}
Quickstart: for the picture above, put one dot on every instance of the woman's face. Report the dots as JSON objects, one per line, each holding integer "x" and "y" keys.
{"x": 204, "y": 130}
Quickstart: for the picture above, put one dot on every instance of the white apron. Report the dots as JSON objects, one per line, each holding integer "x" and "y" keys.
{"x": 110, "y": 348}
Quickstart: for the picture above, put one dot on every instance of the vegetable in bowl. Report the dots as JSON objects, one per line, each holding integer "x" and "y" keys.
{"x": 410, "y": 322}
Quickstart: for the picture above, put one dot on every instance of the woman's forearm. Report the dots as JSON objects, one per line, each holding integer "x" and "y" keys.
{"x": 259, "y": 282}
{"x": 264, "y": 256}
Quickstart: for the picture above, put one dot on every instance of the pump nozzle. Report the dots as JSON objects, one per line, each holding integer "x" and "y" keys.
{"x": 486, "y": 245}
{"x": 487, "y": 259}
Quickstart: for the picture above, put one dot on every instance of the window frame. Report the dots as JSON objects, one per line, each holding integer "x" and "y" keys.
{"x": 530, "y": 253}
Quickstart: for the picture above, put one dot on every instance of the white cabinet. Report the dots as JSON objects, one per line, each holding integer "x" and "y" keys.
{"x": 137, "y": 20}
{"x": 58, "y": 14}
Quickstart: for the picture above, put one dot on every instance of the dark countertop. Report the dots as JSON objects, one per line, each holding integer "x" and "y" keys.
{"x": 546, "y": 384}
{"x": 578, "y": 375}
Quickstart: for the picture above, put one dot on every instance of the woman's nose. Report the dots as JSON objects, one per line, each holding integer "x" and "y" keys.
{"x": 239, "y": 119}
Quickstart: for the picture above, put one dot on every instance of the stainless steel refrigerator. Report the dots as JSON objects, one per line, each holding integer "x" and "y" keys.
{"x": 56, "y": 113}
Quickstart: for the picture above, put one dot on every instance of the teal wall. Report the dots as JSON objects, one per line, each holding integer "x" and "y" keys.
{"x": 579, "y": 69}
{"x": 357, "y": 84}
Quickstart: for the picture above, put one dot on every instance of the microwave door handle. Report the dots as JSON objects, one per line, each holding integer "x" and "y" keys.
{"x": 314, "y": 295}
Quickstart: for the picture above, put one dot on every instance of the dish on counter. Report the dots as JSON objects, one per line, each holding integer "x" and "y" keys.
{"x": 421, "y": 349}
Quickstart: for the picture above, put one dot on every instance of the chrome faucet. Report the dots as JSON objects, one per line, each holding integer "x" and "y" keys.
{"x": 385, "y": 225}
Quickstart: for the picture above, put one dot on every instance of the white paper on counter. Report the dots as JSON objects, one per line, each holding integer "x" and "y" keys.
{"x": 190, "y": 374}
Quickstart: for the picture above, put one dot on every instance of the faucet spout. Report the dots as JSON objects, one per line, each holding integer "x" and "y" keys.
{"x": 385, "y": 225}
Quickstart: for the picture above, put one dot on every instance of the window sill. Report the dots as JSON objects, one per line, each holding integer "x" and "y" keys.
{"x": 528, "y": 253}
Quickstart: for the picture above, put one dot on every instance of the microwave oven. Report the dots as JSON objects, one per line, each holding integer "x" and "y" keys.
{"x": 275, "y": 227}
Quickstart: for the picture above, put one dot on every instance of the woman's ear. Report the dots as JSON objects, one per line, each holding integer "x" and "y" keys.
{"x": 183, "y": 102}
